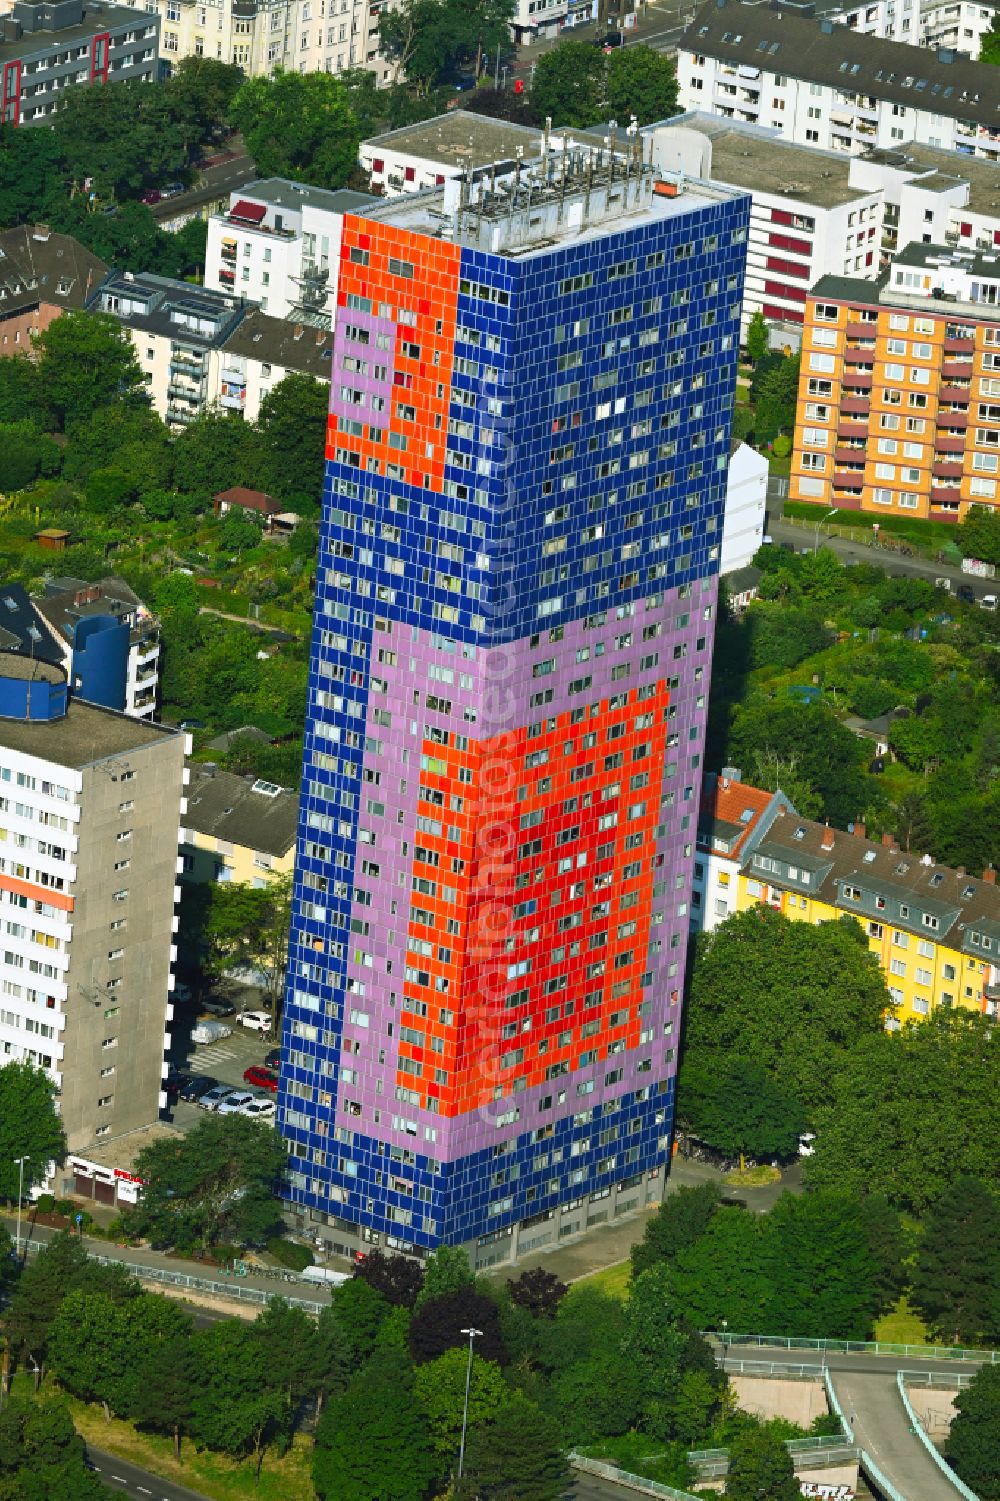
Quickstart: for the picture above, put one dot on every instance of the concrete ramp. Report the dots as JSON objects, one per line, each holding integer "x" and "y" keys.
{"x": 870, "y": 1402}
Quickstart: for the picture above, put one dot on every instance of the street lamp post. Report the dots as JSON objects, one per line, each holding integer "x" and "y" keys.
{"x": 20, "y": 1194}
{"x": 821, "y": 522}
{"x": 473, "y": 1334}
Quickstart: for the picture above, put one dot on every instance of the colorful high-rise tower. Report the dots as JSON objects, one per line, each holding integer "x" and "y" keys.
{"x": 526, "y": 462}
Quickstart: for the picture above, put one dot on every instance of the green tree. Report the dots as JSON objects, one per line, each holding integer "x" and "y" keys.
{"x": 723, "y": 1277}
{"x": 941, "y": 1077}
{"x": 439, "y": 1387}
{"x": 978, "y": 533}
{"x": 298, "y": 125}
{"x": 292, "y": 1352}
{"x": 818, "y": 1260}
{"x": 29, "y": 1127}
{"x": 373, "y": 1439}
{"x": 732, "y": 1104}
{"x": 42, "y": 1457}
{"x": 680, "y": 1220}
{"x": 445, "y": 1271}
{"x": 94, "y": 1339}
{"x": 161, "y": 1395}
{"x": 19, "y": 398}
{"x": 239, "y": 532}
{"x": 758, "y": 341}
{"x": 760, "y": 1468}
{"x": 587, "y": 1322}
{"x": 519, "y": 1456}
{"x": 818, "y": 749}
{"x": 973, "y": 1445}
{"x": 653, "y": 1345}
{"x": 292, "y": 422}
{"x": 217, "y": 1180}
{"x": 640, "y": 82}
{"x": 783, "y": 636}
{"x": 956, "y": 1276}
{"x": 85, "y": 361}
{"x": 775, "y": 396}
{"x": 217, "y": 450}
{"x": 789, "y": 995}
{"x": 247, "y": 928}
{"x": 32, "y": 175}
{"x": 357, "y": 1313}
{"x": 569, "y": 84}
{"x": 233, "y": 1406}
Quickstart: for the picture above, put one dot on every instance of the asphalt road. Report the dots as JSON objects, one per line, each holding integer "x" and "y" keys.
{"x": 803, "y": 538}
{"x": 215, "y": 182}
{"x": 124, "y": 1479}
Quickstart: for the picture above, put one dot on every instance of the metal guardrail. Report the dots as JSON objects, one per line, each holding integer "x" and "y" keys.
{"x": 638, "y": 1483}
{"x": 919, "y": 1430}
{"x": 855, "y": 1347}
{"x": 737, "y": 1367}
{"x": 943, "y": 1379}
{"x": 236, "y": 1291}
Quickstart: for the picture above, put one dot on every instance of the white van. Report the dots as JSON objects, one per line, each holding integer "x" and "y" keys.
{"x": 208, "y": 1032}
{"x": 325, "y": 1275}
{"x": 988, "y": 602}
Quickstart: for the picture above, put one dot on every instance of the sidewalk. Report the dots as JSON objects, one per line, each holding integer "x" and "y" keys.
{"x": 659, "y": 21}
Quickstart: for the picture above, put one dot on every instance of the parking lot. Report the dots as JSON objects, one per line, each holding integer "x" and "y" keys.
{"x": 224, "y": 1060}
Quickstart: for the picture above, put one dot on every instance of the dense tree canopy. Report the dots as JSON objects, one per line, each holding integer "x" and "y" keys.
{"x": 789, "y": 995}
{"x": 973, "y": 1446}
{"x": 575, "y": 83}
{"x": 217, "y": 1180}
{"x": 733, "y": 1105}
{"x": 85, "y": 361}
{"x": 908, "y": 1113}
{"x": 956, "y": 1274}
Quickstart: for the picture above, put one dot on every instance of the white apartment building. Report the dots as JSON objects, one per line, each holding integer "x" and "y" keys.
{"x": 808, "y": 217}
{"x": 746, "y": 507}
{"x": 91, "y": 804}
{"x": 825, "y": 85}
{"x": 432, "y": 152}
{"x": 261, "y": 36}
{"x": 930, "y": 198}
{"x": 177, "y": 330}
{"x": 278, "y": 245}
{"x": 955, "y": 23}
{"x": 260, "y": 353}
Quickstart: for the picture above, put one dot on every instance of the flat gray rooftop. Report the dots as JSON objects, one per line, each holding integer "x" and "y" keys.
{"x": 85, "y": 734}
{"x": 96, "y": 19}
{"x": 298, "y": 195}
{"x": 764, "y": 163}
{"x": 461, "y": 137}
{"x": 948, "y": 168}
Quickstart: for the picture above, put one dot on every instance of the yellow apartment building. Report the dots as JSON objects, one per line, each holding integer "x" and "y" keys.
{"x": 898, "y": 409}
{"x": 236, "y": 828}
{"x": 936, "y": 931}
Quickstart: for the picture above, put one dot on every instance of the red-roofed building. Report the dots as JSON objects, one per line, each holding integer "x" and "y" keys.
{"x": 733, "y": 818}
{"x": 264, "y": 505}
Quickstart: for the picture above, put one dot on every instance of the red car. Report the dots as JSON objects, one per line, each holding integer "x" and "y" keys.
{"x": 261, "y": 1077}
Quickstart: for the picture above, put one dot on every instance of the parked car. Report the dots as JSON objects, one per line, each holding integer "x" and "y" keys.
{"x": 214, "y": 1098}
{"x": 197, "y": 1086}
{"x": 218, "y": 1008}
{"x": 151, "y": 196}
{"x": 965, "y": 594}
{"x": 172, "y": 190}
{"x": 988, "y": 602}
{"x": 256, "y": 1021}
{"x": 272, "y": 1058}
{"x": 235, "y": 1101}
{"x": 263, "y": 1078}
{"x": 259, "y": 1110}
{"x": 806, "y": 1147}
{"x": 175, "y": 1082}
{"x": 205, "y": 1033}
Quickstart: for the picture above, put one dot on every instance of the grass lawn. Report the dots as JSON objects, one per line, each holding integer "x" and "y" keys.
{"x": 754, "y": 1177}
{"x": 222, "y": 1479}
{"x": 610, "y": 1279}
{"x": 901, "y": 1326}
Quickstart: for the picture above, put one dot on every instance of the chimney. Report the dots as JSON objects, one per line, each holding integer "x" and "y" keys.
{"x": 960, "y": 870}
{"x": 888, "y": 841}
{"x": 990, "y": 876}
{"x": 299, "y": 331}
{"x": 859, "y": 828}
{"x": 41, "y": 232}
{"x": 827, "y": 841}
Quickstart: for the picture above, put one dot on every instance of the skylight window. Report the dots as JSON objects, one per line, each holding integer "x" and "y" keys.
{"x": 869, "y": 857}
{"x": 800, "y": 832}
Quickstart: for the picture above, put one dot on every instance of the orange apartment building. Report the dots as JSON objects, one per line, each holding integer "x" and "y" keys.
{"x": 899, "y": 394}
